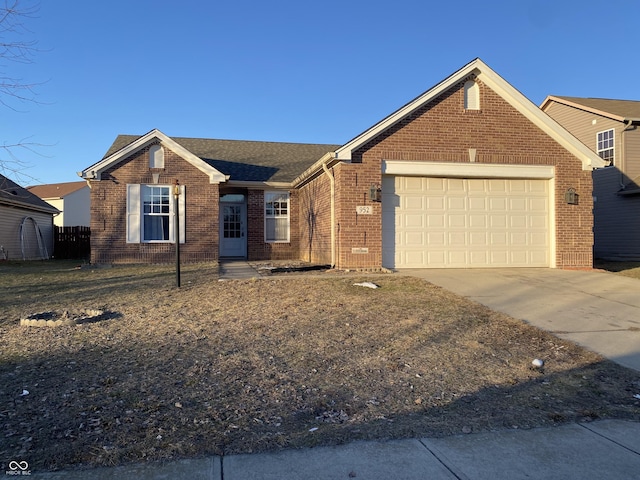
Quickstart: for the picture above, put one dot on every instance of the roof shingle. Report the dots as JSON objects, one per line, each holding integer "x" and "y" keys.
{"x": 245, "y": 160}
{"x": 14, "y": 194}
{"x": 621, "y": 108}
{"x": 56, "y": 190}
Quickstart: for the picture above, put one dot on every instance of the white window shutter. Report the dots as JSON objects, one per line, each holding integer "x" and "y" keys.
{"x": 181, "y": 211}
{"x": 133, "y": 213}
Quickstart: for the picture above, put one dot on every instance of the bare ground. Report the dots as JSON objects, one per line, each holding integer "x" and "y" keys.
{"x": 287, "y": 361}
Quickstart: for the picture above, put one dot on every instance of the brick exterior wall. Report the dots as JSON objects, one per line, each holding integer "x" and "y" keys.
{"x": 257, "y": 249}
{"x": 108, "y": 212}
{"x": 443, "y": 131}
{"x": 315, "y": 221}
{"x": 440, "y": 131}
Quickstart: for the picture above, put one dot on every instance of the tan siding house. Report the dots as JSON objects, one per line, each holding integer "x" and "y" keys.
{"x": 469, "y": 174}
{"x": 71, "y": 198}
{"x": 26, "y": 224}
{"x": 616, "y": 188}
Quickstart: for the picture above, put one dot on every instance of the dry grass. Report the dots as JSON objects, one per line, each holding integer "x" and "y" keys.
{"x": 626, "y": 268}
{"x": 283, "y": 361}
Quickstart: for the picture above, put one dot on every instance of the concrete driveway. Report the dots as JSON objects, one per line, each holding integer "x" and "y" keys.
{"x": 598, "y": 310}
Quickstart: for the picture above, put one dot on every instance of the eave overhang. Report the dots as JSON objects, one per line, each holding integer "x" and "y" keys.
{"x": 552, "y": 98}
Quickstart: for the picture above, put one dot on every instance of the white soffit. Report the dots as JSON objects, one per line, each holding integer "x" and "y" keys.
{"x": 465, "y": 170}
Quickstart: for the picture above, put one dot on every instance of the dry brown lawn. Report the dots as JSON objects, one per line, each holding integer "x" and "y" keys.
{"x": 286, "y": 361}
{"x": 626, "y": 268}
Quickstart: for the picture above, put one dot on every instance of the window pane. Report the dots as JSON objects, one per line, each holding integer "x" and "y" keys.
{"x": 277, "y": 230}
{"x": 156, "y": 227}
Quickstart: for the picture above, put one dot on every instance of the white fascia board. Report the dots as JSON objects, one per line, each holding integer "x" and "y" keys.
{"x": 466, "y": 170}
{"x": 526, "y": 107}
{"x": 511, "y": 95}
{"x": 95, "y": 171}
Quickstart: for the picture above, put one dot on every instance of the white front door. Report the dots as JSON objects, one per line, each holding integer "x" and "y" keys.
{"x": 233, "y": 231}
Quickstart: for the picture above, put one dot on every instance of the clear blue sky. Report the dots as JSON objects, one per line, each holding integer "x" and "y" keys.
{"x": 292, "y": 71}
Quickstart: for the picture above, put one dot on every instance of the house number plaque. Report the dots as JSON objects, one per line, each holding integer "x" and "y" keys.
{"x": 364, "y": 210}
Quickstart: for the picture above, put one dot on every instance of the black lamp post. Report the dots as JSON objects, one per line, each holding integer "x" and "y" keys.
{"x": 176, "y": 229}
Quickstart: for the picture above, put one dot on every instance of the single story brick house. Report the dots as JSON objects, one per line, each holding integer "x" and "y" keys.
{"x": 468, "y": 174}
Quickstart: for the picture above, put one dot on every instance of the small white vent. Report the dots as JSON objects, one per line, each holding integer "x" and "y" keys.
{"x": 156, "y": 156}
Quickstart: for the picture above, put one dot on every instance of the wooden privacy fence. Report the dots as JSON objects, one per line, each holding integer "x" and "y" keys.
{"x": 72, "y": 242}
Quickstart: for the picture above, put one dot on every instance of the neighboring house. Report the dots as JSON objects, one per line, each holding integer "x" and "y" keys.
{"x": 71, "y": 198}
{"x": 609, "y": 128}
{"x": 26, "y": 223}
{"x": 468, "y": 174}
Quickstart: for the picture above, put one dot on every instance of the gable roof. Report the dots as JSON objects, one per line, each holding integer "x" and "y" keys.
{"x": 248, "y": 161}
{"x": 56, "y": 190}
{"x": 494, "y": 81}
{"x": 95, "y": 171}
{"x": 621, "y": 110}
{"x": 14, "y": 195}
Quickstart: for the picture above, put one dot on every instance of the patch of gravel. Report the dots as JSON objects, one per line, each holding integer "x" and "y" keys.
{"x": 66, "y": 318}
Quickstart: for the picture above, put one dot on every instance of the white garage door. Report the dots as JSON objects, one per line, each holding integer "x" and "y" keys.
{"x": 460, "y": 223}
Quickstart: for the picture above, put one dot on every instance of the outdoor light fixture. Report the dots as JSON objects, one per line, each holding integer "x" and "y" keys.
{"x": 571, "y": 197}
{"x": 176, "y": 229}
{"x": 375, "y": 193}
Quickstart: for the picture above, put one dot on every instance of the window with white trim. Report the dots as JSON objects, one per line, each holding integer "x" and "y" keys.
{"x": 156, "y": 213}
{"x": 605, "y": 144}
{"x": 151, "y": 213}
{"x": 276, "y": 217}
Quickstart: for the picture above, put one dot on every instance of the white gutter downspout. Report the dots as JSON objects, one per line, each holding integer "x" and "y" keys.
{"x": 332, "y": 181}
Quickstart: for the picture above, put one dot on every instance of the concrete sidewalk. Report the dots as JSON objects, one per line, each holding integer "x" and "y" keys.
{"x": 589, "y": 451}
{"x": 598, "y": 310}
{"x": 236, "y": 270}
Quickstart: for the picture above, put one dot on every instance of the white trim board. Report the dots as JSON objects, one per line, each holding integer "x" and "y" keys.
{"x": 466, "y": 170}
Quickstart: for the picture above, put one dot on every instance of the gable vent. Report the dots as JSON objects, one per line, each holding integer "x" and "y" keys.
{"x": 471, "y": 95}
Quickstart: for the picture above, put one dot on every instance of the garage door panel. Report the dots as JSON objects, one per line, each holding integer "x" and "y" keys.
{"x": 458, "y": 258}
{"x": 415, "y": 239}
{"x": 518, "y": 221}
{"x": 478, "y": 221}
{"x": 455, "y": 222}
{"x": 434, "y": 185}
{"x": 414, "y": 221}
{"x": 479, "y": 258}
{"x": 435, "y": 203}
{"x": 478, "y": 203}
{"x": 436, "y": 239}
{"x": 497, "y": 204}
{"x": 435, "y": 221}
{"x": 457, "y": 239}
{"x": 538, "y": 239}
{"x": 436, "y": 257}
{"x": 498, "y": 239}
{"x": 478, "y": 239}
